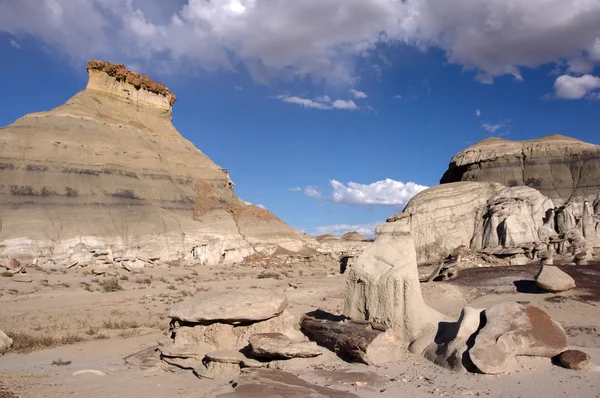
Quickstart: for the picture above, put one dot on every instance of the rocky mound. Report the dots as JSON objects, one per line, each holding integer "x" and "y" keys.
{"x": 109, "y": 170}
{"x": 560, "y": 167}
{"x": 353, "y": 236}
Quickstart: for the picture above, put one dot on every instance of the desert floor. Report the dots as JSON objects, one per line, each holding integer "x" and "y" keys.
{"x": 64, "y": 321}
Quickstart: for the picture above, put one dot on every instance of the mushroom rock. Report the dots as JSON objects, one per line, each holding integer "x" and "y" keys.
{"x": 109, "y": 169}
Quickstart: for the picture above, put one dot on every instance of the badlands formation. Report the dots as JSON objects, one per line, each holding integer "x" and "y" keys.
{"x": 107, "y": 175}
{"x": 133, "y": 269}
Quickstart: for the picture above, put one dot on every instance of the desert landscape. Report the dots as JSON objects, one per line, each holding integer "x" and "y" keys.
{"x": 129, "y": 267}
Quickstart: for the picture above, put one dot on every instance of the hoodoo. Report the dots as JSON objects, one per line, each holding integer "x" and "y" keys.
{"x": 108, "y": 170}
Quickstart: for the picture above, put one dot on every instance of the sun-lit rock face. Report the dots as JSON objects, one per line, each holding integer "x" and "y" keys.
{"x": 108, "y": 168}
{"x": 560, "y": 167}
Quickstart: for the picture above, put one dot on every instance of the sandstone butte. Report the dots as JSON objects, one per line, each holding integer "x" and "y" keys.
{"x": 559, "y": 167}
{"x": 109, "y": 170}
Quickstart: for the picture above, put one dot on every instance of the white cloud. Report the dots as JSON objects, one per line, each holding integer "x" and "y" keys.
{"x": 323, "y": 102}
{"x": 477, "y": 113}
{"x": 324, "y": 98}
{"x": 571, "y": 87}
{"x": 305, "y": 102}
{"x": 342, "y": 104}
{"x": 15, "y": 44}
{"x": 399, "y": 96}
{"x": 367, "y": 230}
{"x": 492, "y": 128}
{"x": 313, "y": 193}
{"x": 238, "y": 88}
{"x": 386, "y": 192}
{"x": 358, "y": 94}
{"x": 252, "y": 204}
{"x": 296, "y": 189}
{"x": 271, "y": 39}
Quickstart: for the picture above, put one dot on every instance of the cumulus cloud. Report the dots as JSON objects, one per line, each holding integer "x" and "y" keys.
{"x": 323, "y": 102}
{"x": 367, "y": 230}
{"x": 387, "y": 192}
{"x": 318, "y": 38}
{"x": 573, "y": 87}
{"x": 358, "y": 94}
{"x": 15, "y": 44}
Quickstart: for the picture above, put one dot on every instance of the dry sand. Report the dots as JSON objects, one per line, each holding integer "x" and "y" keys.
{"x": 98, "y": 329}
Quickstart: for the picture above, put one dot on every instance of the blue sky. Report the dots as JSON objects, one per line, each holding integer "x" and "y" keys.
{"x": 331, "y": 114}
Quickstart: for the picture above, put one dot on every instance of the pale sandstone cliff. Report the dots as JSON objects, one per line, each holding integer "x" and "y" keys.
{"x": 108, "y": 169}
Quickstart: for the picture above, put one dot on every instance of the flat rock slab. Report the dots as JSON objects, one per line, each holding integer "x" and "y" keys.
{"x": 234, "y": 357}
{"x": 512, "y": 329}
{"x": 233, "y": 307}
{"x": 552, "y": 279}
{"x": 278, "y": 346}
{"x": 276, "y": 384}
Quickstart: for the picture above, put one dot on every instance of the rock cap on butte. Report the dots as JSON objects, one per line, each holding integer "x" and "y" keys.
{"x": 239, "y": 306}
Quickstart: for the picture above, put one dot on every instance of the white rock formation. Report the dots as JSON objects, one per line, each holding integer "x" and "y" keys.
{"x": 383, "y": 286}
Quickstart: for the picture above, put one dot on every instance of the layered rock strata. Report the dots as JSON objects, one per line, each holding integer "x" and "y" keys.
{"x": 512, "y": 222}
{"x": 108, "y": 170}
{"x": 559, "y": 167}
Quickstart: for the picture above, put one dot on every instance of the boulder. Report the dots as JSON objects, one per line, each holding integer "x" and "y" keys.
{"x": 574, "y": 359}
{"x": 278, "y": 346}
{"x": 552, "y": 279}
{"x": 557, "y": 166}
{"x": 5, "y": 342}
{"x": 14, "y": 263}
{"x": 231, "y": 307}
{"x": 512, "y": 329}
{"x": 453, "y": 341}
{"x": 383, "y": 286}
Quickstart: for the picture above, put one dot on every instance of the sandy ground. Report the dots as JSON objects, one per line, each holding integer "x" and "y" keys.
{"x": 88, "y": 328}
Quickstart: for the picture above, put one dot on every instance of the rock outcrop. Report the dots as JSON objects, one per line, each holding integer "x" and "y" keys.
{"x": 215, "y": 335}
{"x": 108, "y": 170}
{"x": 383, "y": 286}
{"x": 517, "y": 222}
{"x": 476, "y": 215}
{"x": 559, "y": 167}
